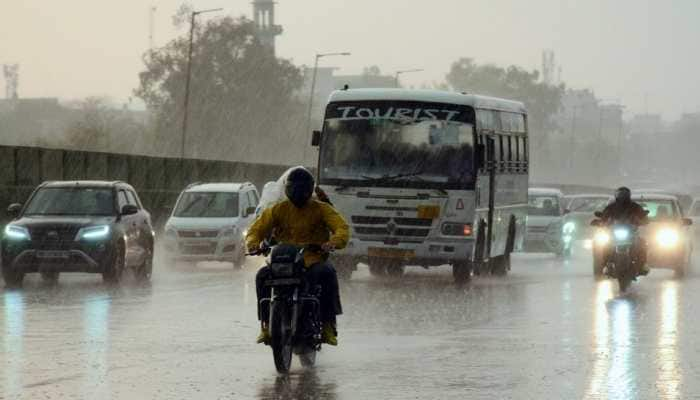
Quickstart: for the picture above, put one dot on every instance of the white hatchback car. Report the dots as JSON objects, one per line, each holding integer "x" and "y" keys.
{"x": 209, "y": 223}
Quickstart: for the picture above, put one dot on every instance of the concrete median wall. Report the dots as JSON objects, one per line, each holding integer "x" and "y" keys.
{"x": 158, "y": 180}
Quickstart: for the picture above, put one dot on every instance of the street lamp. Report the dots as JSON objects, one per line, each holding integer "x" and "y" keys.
{"x": 407, "y": 71}
{"x": 313, "y": 86}
{"x": 188, "y": 77}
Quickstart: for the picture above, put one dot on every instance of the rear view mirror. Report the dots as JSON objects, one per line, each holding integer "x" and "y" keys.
{"x": 14, "y": 209}
{"x": 687, "y": 222}
{"x": 596, "y": 222}
{"x": 598, "y": 214}
{"x": 249, "y": 211}
{"x": 316, "y": 138}
{"x": 129, "y": 209}
{"x": 567, "y": 211}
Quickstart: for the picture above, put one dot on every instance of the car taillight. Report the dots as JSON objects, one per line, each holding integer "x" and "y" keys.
{"x": 452, "y": 229}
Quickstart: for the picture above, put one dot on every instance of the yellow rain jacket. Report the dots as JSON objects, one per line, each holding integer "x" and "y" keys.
{"x": 317, "y": 223}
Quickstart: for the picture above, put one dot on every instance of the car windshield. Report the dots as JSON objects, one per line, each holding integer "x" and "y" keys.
{"x": 659, "y": 210}
{"x": 207, "y": 205}
{"x": 543, "y": 205}
{"x": 588, "y": 204}
{"x": 398, "y": 144}
{"x": 72, "y": 201}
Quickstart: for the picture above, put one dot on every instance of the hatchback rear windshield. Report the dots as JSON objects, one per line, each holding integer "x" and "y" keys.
{"x": 71, "y": 201}
{"x": 207, "y": 205}
{"x": 543, "y": 205}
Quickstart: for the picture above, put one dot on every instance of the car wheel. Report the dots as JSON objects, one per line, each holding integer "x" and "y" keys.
{"x": 13, "y": 278}
{"x": 50, "y": 277}
{"x": 114, "y": 270}
{"x": 144, "y": 271}
{"x": 377, "y": 268}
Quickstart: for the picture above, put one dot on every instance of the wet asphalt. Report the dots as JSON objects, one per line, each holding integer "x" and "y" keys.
{"x": 548, "y": 330}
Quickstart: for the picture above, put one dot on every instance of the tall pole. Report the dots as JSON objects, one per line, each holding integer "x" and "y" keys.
{"x": 188, "y": 78}
{"x": 399, "y": 73}
{"x": 307, "y": 127}
{"x": 311, "y": 96}
{"x": 187, "y": 88}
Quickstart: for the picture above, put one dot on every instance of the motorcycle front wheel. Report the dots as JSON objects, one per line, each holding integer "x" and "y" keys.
{"x": 308, "y": 358}
{"x": 280, "y": 330}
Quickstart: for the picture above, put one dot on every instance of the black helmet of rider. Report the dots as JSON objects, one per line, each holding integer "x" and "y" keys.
{"x": 299, "y": 186}
{"x": 623, "y": 195}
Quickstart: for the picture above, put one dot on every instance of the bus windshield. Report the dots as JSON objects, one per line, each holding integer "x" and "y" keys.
{"x": 398, "y": 144}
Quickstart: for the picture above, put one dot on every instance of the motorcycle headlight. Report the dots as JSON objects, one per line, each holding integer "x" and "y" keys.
{"x": 94, "y": 232}
{"x": 621, "y": 234}
{"x": 602, "y": 238}
{"x": 16, "y": 232}
{"x": 667, "y": 237}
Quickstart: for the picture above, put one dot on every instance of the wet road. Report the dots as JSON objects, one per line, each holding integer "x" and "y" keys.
{"x": 547, "y": 331}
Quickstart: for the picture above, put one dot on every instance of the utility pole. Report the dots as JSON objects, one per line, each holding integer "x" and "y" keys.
{"x": 313, "y": 90}
{"x": 188, "y": 77}
{"x": 399, "y": 73}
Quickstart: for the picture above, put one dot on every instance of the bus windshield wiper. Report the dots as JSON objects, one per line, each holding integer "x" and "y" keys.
{"x": 389, "y": 178}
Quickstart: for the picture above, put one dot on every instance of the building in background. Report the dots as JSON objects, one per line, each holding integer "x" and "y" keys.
{"x": 264, "y": 17}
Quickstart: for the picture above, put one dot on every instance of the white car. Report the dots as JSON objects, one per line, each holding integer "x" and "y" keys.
{"x": 209, "y": 223}
{"x": 545, "y": 228}
{"x": 694, "y": 214}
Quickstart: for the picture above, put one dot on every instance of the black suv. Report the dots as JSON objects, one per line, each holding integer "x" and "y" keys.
{"x": 78, "y": 226}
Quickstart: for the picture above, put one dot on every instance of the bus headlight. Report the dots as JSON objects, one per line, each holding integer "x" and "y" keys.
{"x": 452, "y": 229}
{"x": 667, "y": 237}
{"x": 601, "y": 238}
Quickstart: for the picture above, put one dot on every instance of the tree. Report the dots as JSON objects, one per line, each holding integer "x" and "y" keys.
{"x": 542, "y": 100}
{"x": 241, "y": 97}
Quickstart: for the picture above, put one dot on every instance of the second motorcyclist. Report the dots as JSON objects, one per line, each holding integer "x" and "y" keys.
{"x": 624, "y": 210}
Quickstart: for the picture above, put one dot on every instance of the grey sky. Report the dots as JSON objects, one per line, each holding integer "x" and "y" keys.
{"x": 622, "y": 49}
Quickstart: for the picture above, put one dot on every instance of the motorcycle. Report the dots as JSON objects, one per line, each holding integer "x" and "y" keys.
{"x": 620, "y": 241}
{"x": 295, "y": 307}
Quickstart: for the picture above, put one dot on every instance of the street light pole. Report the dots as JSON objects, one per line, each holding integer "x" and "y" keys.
{"x": 188, "y": 78}
{"x": 399, "y": 73}
{"x": 313, "y": 86}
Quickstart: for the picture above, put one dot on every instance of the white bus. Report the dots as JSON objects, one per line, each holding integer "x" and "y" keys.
{"x": 425, "y": 178}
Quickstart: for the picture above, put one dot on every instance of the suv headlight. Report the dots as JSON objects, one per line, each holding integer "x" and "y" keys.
{"x": 94, "y": 232}
{"x": 229, "y": 232}
{"x": 16, "y": 232}
{"x": 667, "y": 237}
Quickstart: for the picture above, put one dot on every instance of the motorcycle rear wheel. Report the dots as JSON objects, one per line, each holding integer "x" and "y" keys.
{"x": 281, "y": 343}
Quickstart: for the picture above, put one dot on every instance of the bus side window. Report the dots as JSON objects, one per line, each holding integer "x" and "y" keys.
{"x": 525, "y": 155}
{"x": 516, "y": 152}
{"x": 499, "y": 152}
{"x": 509, "y": 152}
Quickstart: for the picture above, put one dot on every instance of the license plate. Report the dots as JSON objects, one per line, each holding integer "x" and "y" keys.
{"x": 380, "y": 252}
{"x": 428, "y": 212}
{"x": 52, "y": 254}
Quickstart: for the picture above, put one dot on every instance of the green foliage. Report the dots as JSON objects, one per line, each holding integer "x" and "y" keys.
{"x": 239, "y": 92}
{"x": 542, "y": 100}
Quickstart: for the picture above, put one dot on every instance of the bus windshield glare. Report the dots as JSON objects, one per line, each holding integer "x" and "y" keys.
{"x": 398, "y": 144}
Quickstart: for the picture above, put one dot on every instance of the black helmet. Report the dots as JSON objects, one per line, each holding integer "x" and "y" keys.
{"x": 623, "y": 195}
{"x": 299, "y": 186}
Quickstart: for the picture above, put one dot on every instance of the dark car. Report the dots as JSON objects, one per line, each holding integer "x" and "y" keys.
{"x": 78, "y": 226}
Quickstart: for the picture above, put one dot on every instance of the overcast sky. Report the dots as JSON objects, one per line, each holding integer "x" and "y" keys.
{"x": 622, "y": 49}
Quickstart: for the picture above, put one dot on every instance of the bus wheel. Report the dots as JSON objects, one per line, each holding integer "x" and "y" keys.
{"x": 395, "y": 270}
{"x": 462, "y": 271}
{"x": 500, "y": 265}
